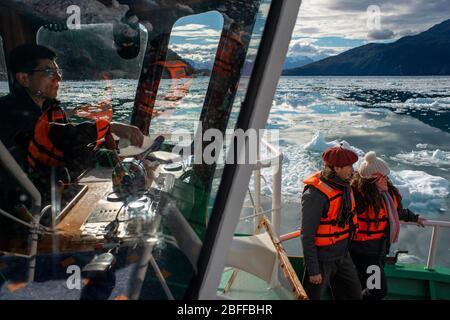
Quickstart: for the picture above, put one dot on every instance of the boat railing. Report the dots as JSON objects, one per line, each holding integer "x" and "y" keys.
{"x": 436, "y": 226}
{"x": 273, "y": 160}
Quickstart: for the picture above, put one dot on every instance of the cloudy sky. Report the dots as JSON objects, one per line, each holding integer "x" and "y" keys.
{"x": 196, "y": 37}
{"x": 328, "y": 27}
{"x": 323, "y": 28}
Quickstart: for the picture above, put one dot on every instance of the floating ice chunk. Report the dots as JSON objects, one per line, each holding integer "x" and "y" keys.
{"x": 421, "y": 192}
{"x": 409, "y": 259}
{"x": 435, "y": 158}
{"x": 421, "y": 146}
{"x": 422, "y": 184}
{"x": 438, "y": 103}
{"x": 318, "y": 144}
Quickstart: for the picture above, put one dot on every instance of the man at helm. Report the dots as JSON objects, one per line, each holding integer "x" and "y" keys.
{"x": 36, "y": 130}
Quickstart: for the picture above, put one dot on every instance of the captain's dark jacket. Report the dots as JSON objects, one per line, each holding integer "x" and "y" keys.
{"x": 18, "y": 117}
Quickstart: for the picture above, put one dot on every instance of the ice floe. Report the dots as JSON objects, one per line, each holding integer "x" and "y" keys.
{"x": 318, "y": 144}
{"x": 424, "y": 158}
{"x": 421, "y": 191}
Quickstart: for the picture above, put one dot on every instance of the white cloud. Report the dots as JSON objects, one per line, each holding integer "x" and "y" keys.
{"x": 200, "y": 32}
{"x": 203, "y": 53}
{"x": 348, "y": 18}
{"x": 187, "y": 27}
{"x": 351, "y": 19}
{"x": 306, "y": 47}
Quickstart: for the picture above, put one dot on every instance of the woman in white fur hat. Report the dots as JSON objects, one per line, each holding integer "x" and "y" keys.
{"x": 379, "y": 208}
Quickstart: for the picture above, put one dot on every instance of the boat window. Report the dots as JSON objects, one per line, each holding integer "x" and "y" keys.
{"x": 160, "y": 222}
{"x": 3, "y": 71}
{"x": 241, "y": 92}
{"x": 187, "y": 69}
{"x": 93, "y": 69}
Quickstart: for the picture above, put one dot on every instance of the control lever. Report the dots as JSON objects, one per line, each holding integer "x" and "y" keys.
{"x": 111, "y": 230}
{"x": 156, "y": 145}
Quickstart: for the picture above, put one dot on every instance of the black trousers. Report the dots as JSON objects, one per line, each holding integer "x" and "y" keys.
{"x": 340, "y": 275}
{"x": 362, "y": 262}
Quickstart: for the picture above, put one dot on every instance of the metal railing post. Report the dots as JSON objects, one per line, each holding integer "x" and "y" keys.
{"x": 257, "y": 186}
{"x": 433, "y": 247}
{"x": 276, "y": 196}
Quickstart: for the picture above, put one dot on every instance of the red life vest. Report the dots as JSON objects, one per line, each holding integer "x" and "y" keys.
{"x": 328, "y": 232}
{"x": 371, "y": 228}
{"x": 41, "y": 149}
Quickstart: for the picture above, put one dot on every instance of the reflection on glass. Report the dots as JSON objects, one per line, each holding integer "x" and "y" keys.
{"x": 192, "y": 48}
{"x": 97, "y": 73}
{"x": 187, "y": 69}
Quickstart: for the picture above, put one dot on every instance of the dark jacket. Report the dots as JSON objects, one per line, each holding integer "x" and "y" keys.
{"x": 19, "y": 114}
{"x": 314, "y": 205}
{"x": 378, "y": 247}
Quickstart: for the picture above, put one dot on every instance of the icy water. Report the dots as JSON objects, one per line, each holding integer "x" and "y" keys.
{"x": 406, "y": 120}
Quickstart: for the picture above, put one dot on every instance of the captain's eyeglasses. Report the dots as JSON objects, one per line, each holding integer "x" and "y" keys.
{"x": 51, "y": 73}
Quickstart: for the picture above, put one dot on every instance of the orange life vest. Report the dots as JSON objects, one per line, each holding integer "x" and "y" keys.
{"x": 40, "y": 148}
{"x": 371, "y": 228}
{"x": 328, "y": 232}
{"x": 102, "y": 127}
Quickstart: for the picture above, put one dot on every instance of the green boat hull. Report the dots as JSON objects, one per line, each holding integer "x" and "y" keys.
{"x": 406, "y": 281}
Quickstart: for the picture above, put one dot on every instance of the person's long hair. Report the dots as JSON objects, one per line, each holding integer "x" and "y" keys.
{"x": 369, "y": 193}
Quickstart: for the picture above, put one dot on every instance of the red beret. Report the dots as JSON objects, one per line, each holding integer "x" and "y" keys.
{"x": 339, "y": 157}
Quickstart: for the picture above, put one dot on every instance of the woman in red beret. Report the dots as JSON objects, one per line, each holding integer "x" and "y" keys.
{"x": 328, "y": 224}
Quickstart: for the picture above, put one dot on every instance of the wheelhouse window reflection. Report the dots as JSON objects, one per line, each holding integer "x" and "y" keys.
{"x": 186, "y": 72}
{"x": 151, "y": 206}
{"x": 95, "y": 70}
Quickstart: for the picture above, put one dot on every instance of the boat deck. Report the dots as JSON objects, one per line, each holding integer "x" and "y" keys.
{"x": 249, "y": 287}
{"x": 405, "y": 282}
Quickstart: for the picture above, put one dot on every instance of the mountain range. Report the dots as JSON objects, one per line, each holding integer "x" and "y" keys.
{"x": 427, "y": 53}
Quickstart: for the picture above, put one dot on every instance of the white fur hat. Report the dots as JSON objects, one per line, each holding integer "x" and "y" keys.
{"x": 372, "y": 165}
